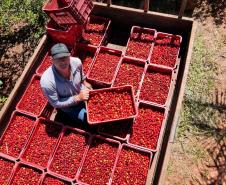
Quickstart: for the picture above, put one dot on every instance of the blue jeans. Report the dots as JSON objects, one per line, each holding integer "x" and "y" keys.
{"x": 76, "y": 112}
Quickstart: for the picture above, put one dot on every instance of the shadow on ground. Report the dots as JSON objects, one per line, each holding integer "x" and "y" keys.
{"x": 211, "y": 8}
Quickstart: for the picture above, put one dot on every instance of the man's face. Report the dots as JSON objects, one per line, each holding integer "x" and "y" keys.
{"x": 62, "y": 63}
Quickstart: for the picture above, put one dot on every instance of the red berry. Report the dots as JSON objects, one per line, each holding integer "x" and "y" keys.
{"x": 42, "y": 143}
{"x": 17, "y": 134}
{"x": 132, "y": 167}
{"x": 129, "y": 74}
{"x": 99, "y": 162}
{"x": 54, "y": 181}
{"x": 5, "y": 170}
{"x": 146, "y": 128}
{"x": 33, "y": 100}
{"x": 26, "y": 175}
{"x": 108, "y": 105}
{"x": 104, "y": 67}
{"x": 155, "y": 87}
{"x": 69, "y": 153}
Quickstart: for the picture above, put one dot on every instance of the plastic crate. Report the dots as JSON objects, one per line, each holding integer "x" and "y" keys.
{"x": 96, "y": 141}
{"x": 158, "y": 69}
{"x": 94, "y": 23}
{"x": 114, "y": 89}
{"x": 164, "y": 112}
{"x": 172, "y": 38}
{"x": 6, "y": 169}
{"x": 67, "y": 34}
{"x": 100, "y": 82}
{"x": 116, "y": 130}
{"x": 24, "y": 141}
{"x": 84, "y": 52}
{"x": 32, "y": 99}
{"x": 53, "y": 131}
{"x": 140, "y": 31}
{"x": 27, "y": 178}
{"x": 67, "y": 132}
{"x": 131, "y": 61}
{"x": 68, "y": 11}
{"x": 45, "y": 64}
{"x": 46, "y": 175}
{"x": 135, "y": 169}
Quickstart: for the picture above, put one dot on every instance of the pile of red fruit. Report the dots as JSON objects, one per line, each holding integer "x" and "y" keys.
{"x": 16, "y": 135}
{"x": 140, "y": 45}
{"x": 99, "y": 162}
{"x": 54, "y": 181}
{"x": 165, "y": 51}
{"x": 69, "y": 154}
{"x": 109, "y": 105}
{"x": 42, "y": 143}
{"x": 94, "y": 31}
{"x": 146, "y": 128}
{"x": 104, "y": 67}
{"x": 5, "y": 170}
{"x": 33, "y": 100}
{"x": 92, "y": 38}
{"x": 96, "y": 25}
{"x": 132, "y": 167}
{"x": 155, "y": 87}
{"x": 129, "y": 74}
{"x": 26, "y": 175}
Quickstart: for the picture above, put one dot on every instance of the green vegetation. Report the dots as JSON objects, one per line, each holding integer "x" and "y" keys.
{"x": 15, "y": 12}
{"x": 199, "y": 117}
{"x": 3, "y": 99}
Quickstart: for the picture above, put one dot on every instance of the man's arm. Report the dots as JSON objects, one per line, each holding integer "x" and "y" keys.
{"x": 51, "y": 94}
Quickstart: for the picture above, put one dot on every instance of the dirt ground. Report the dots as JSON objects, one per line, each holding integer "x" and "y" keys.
{"x": 15, "y": 51}
{"x": 202, "y": 159}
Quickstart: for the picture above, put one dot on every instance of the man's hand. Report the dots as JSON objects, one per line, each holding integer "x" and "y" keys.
{"x": 83, "y": 95}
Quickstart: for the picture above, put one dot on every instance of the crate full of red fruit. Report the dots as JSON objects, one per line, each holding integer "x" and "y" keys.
{"x": 33, "y": 101}
{"x": 65, "y": 12}
{"x": 166, "y": 50}
{"x": 96, "y": 31}
{"x": 104, "y": 67}
{"x": 111, "y": 104}
{"x": 157, "y": 85}
{"x": 16, "y": 134}
{"x": 140, "y": 43}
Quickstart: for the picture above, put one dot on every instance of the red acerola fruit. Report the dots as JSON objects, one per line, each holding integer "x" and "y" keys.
{"x": 155, "y": 87}
{"x": 132, "y": 167}
{"x": 99, "y": 162}
{"x": 17, "y": 134}
{"x": 42, "y": 143}
{"x": 69, "y": 154}
{"x": 146, "y": 128}
{"x": 5, "y": 170}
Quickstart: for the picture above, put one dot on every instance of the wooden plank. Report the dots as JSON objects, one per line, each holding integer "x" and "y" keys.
{"x": 22, "y": 78}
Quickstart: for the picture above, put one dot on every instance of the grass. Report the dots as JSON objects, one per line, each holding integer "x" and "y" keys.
{"x": 198, "y": 116}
